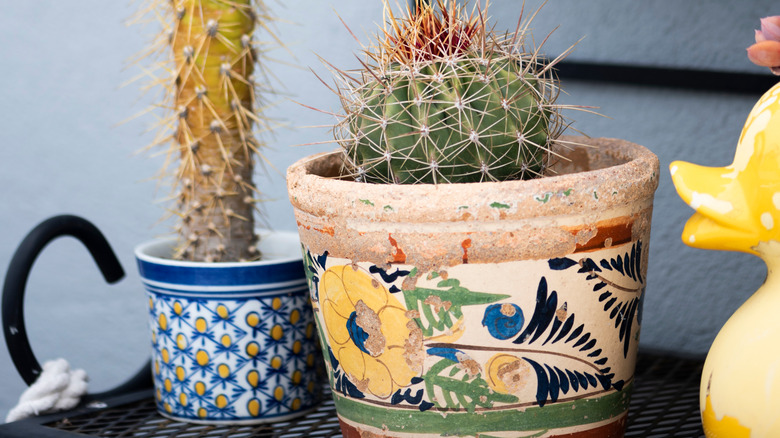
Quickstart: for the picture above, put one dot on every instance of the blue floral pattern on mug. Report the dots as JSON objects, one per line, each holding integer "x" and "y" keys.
{"x": 222, "y": 360}
{"x": 235, "y": 347}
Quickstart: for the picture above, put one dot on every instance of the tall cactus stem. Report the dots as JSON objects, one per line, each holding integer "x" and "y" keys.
{"x": 208, "y": 49}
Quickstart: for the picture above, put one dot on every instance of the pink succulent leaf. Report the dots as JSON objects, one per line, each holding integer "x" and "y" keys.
{"x": 765, "y": 53}
{"x": 770, "y": 28}
{"x": 760, "y": 36}
{"x": 775, "y": 71}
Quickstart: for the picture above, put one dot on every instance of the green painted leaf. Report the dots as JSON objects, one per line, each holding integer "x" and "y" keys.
{"x": 460, "y": 393}
{"x": 449, "y": 300}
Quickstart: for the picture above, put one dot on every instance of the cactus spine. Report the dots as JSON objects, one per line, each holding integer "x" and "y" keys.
{"x": 210, "y": 65}
{"x": 444, "y": 99}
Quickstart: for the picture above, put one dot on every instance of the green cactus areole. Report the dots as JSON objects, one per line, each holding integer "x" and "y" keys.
{"x": 443, "y": 100}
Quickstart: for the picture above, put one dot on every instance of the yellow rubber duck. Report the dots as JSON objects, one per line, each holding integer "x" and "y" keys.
{"x": 738, "y": 209}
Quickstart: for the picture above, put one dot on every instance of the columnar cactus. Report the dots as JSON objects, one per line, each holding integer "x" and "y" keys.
{"x": 442, "y": 98}
{"x": 210, "y": 59}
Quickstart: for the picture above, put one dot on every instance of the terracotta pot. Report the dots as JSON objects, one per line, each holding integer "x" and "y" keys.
{"x": 500, "y": 309}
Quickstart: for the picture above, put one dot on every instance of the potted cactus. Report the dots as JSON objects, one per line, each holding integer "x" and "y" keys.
{"x": 232, "y": 330}
{"x": 473, "y": 272}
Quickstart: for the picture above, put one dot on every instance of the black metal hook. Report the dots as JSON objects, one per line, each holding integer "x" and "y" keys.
{"x": 16, "y": 280}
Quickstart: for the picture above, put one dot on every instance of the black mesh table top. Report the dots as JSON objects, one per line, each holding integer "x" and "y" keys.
{"x": 665, "y": 403}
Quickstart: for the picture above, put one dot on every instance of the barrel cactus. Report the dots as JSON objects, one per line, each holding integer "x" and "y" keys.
{"x": 442, "y": 98}
{"x": 208, "y": 57}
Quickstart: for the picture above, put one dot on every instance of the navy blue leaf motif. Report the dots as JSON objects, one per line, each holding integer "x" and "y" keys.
{"x": 334, "y": 363}
{"x": 582, "y": 340}
{"x": 542, "y": 382}
{"x": 638, "y": 262}
{"x": 555, "y": 384}
{"x": 313, "y": 266}
{"x": 565, "y": 329}
{"x": 562, "y": 380}
{"x": 556, "y": 325}
{"x": 575, "y": 383}
{"x": 388, "y": 277}
{"x": 322, "y": 259}
{"x": 543, "y": 314}
{"x": 562, "y": 263}
{"x": 582, "y": 379}
{"x": 621, "y": 315}
{"x": 618, "y": 264}
{"x": 552, "y": 381}
{"x": 621, "y": 312}
{"x": 640, "y": 308}
{"x": 625, "y": 329}
{"x": 341, "y": 383}
{"x": 588, "y": 265}
{"x": 589, "y": 345}
{"x": 606, "y": 381}
{"x": 575, "y": 333}
{"x": 346, "y": 387}
{"x": 416, "y": 400}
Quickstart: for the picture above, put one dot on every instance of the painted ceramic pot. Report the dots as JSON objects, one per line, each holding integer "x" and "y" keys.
{"x": 487, "y": 309}
{"x": 232, "y": 343}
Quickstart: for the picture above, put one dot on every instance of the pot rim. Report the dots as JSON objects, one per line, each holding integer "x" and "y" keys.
{"x": 633, "y": 177}
{"x": 268, "y": 238}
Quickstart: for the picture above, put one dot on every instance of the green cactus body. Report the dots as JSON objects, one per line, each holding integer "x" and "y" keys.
{"x": 476, "y": 110}
{"x": 464, "y": 122}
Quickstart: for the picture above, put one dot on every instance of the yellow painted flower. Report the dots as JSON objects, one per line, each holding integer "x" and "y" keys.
{"x": 367, "y": 329}
{"x": 737, "y": 206}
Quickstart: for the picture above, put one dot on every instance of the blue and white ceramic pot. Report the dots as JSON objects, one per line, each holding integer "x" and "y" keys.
{"x": 232, "y": 343}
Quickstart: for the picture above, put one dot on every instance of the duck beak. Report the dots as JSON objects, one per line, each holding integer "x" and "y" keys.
{"x": 720, "y": 221}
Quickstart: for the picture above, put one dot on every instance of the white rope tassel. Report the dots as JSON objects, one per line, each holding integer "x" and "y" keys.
{"x": 56, "y": 389}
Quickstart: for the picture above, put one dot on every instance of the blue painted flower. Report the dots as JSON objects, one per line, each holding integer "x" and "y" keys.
{"x": 503, "y": 321}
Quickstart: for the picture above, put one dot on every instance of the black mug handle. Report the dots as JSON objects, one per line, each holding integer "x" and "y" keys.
{"x": 16, "y": 280}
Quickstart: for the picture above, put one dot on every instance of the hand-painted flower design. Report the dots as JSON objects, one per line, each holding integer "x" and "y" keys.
{"x": 367, "y": 329}
{"x": 503, "y": 321}
{"x": 766, "y": 51}
{"x": 508, "y": 374}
